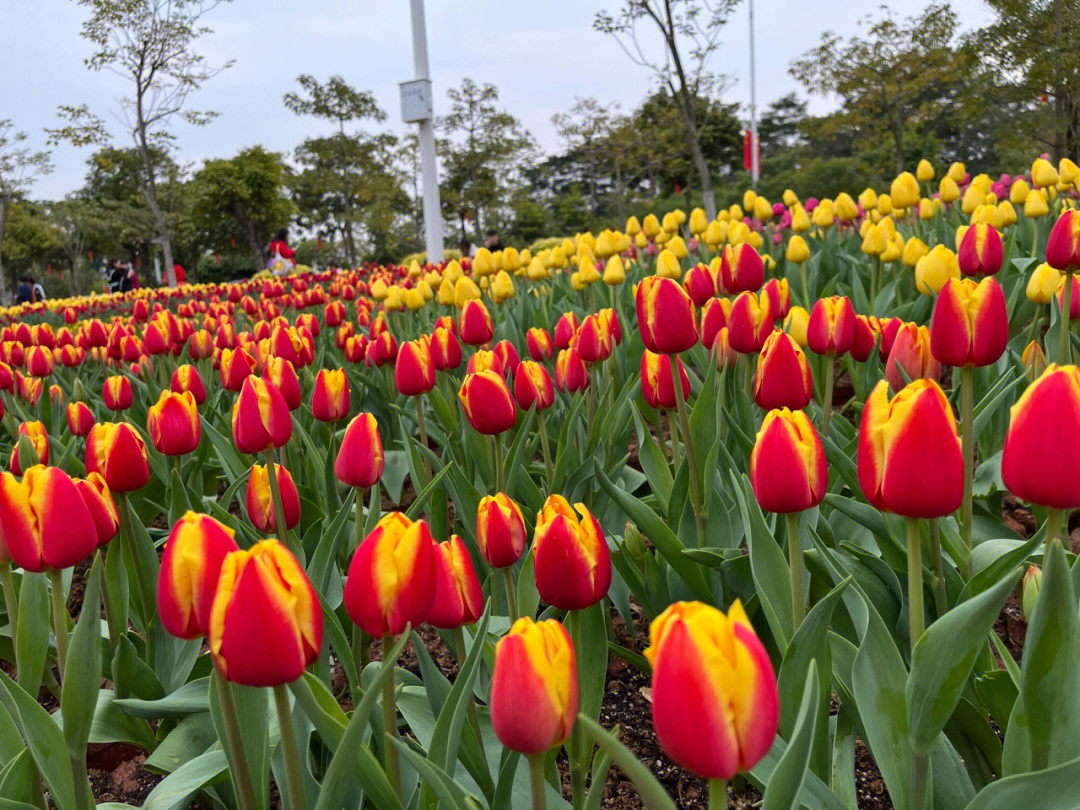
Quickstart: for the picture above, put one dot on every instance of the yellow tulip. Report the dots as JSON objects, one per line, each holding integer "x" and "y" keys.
{"x": 414, "y": 298}
{"x": 735, "y": 212}
{"x": 868, "y": 199}
{"x": 465, "y": 289}
{"x": 1043, "y": 284}
{"x": 795, "y": 324}
{"x": 973, "y": 197}
{"x": 633, "y": 227}
{"x": 892, "y": 251}
{"x": 1068, "y": 171}
{"x": 957, "y": 172}
{"x": 714, "y": 234}
{"x": 1018, "y": 191}
{"x": 948, "y": 190}
{"x": 481, "y": 263}
{"x": 453, "y": 271}
{"x": 884, "y": 204}
{"x": 924, "y": 172}
{"x": 605, "y": 244}
{"x": 641, "y": 241}
{"x": 1043, "y": 173}
{"x": 905, "y": 190}
{"x": 698, "y": 221}
{"x": 614, "y": 272}
{"x": 670, "y": 222}
{"x": 446, "y": 292}
{"x": 677, "y": 246}
{"x": 536, "y": 271}
{"x": 1035, "y": 205}
{"x": 845, "y": 207}
{"x": 927, "y": 208}
{"x": 790, "y": 198}
{"x": 797, "y": 250}
{"x": 394, "y": 300}
{"x": 762, "y": 209}
{"x": 650, "y": 226}
{"x": 934, "y": 269}
{"x": 914, "y": 249}
{"x": 379, "y": 290}
{"x": 824, "y": 214}
{"x": 414, "y": 269}
{"x": 754, "y": 239}
{"x": 503, "y": 286}
{"x": 800, "y": 220}
{"x": 1008, "y": 213}
{"x": 749, "y": 197}
{"x": 667, "y": 266}
{"x": 874, "y": 242}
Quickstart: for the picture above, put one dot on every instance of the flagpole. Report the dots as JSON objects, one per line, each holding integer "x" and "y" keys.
{"x": 755, "y": 155}
{"x": 433, "y": 238}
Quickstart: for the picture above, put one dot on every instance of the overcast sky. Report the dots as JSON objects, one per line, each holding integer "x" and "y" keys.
{"x": 540, "y": 55}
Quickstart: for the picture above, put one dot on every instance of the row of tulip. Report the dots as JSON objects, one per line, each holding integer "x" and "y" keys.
{"x": 687, "y": 416}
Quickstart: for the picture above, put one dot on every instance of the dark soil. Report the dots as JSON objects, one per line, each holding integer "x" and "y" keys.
{"x": 117, "y": 774}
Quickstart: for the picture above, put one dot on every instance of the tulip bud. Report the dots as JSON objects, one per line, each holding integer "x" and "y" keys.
{"x": 699, "y": 284}
{"x": 118, "y": 453}
{"x": 190, "y": 567}
{"x": 593, "y": 341}
{"x": 1035, "y": 204}
{"x": 846, "y": 210}
{"x": 911, "y": 351}
{"x": 235, "y": 368}
{"x": 657, "y": 384}
{"x": 186, "y": 378}
{"x": 1043, "y": 440}
{"x": 488, "y": 403}
{"x": 360, "y": 460}
{"x": 79, "y": 418}
{"x": 282, "y": 375}
{"x": 1031, "y": 585}
{"x": 116, "y": 393}
{"x": 173, "y": 424}
{"x": 391, "y": 577}
{"x": 904, "y": 191}
{"x": 534, "y": 687}
{"x": 533, "y": 386}
{"x": 475, "y": 325}
{"x": 909, "y": 457}
{"x": 98, "y": 499}
{"x": 714, "y": 316}
{"x": 1063, "y": 243}
{"x": 715, "y": 703}
{"x": 330, "y": 399}
{"x": 970, "y": 325}
{"x": 782, "y": 378}
{"x": 444, "y": 349}
{"x": 1034, "y": 360}
{"x": 260, "y": 419}
{"x": 1042, "y": 284}
{"x": 787, "y": 466}
{"x": 570, "y": 556}
{"x": 924, "y": 172}
{"x": 500, "y": 530}
{"x": 831, "y": 329}
{"x": 1043, "y": 173}
{"x": 266, "y": 624}
{"x": 741, "y": 269}
{"x": 44, "y": 521}
{"x": 666, "y": 316}
{"x": 750, "y": 323}
{"x": 934, "y": 269}
{"x": 614, "y": 272}
{"x": 260, "y": 503}
{"x": 459, "y": 600}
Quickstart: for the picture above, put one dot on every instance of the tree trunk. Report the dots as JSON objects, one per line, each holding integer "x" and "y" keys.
{"x": 350, "y": 248}
{"x": 253, "y": 240}
{"x": 150, "y": 192}
{"x": 898, "y": 140}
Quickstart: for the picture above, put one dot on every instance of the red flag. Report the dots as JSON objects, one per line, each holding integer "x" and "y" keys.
{"x": 748, "y": 157}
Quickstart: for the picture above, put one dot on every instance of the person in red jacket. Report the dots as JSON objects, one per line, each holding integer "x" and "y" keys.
{"x": 279, "y": 250}
{"x": 181, "y": 276}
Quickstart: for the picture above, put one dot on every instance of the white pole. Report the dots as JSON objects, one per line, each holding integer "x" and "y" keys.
{"x": 429, "y": 171}
{"x": 754, "y": 157}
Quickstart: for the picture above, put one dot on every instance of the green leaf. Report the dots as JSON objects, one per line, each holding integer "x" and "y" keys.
{"x": 1048, "y": 671}
{"x": 343, "y": 764}
{"x": 33, "y": 632}
{"x": 44, "y": 739}
{"x": 654, "y": 528}
{"x": 176, "y": 790}
{"x": 653, "y": 796}
{"x": 82, "y": 676}
{"x": 191, "y": 738}
{"x": 444, "y": 786}
{"x": 790, "y": 774}
{"x": 1052, "y": 789}
{"x": 193, "y": 696}
{"x": 942, "y": 661}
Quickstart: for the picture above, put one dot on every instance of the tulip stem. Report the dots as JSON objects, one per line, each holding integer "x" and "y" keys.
{"x": 544, "y": 447}
{"x": 1035, "y": 237}
{"x": 691, "y": 459}
{"x": 245, "y": 788}
{"x": 179, "y": 460}
{"x": 290, "y": 751}
{"x": 717, "y": 794}
{"x": 500, "y": 473}
{"x": 576, "y": 750}
{"x": 536, "y": 780}
{"x": 939, "y": 567}
{"x": 11, "y": 601}
{"x": 393, "y": 768}
{"x": 674, "y": 435}
{"x": 1053, "y": 527}
{"x": 967, "y": 437}
{"x": 916, "y": 614}
{"x": 127, "y": 535}
{"x": 279, "y": 507}
{"x": 826, "y": 402}
{"x": 420, "y": 426}
{"x": 795, "y": 561}
{"x": 474, "y": 718}
{"x": 511, "y": 595}
{"x": 60, "y": 618}
{"x": 1064, "y": 349}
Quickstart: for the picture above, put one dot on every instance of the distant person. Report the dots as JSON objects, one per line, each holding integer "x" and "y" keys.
{"x": 38, "y": 292}
{"x": 491, "y": 241}
{"x": 133, "y": 279}
{"x": 24, "y": 291}
{"x": 117, "y": 275}
{"x": 281, "y": 255}
{"x": 466, "y": 248}
{"x": 181, "y": 276}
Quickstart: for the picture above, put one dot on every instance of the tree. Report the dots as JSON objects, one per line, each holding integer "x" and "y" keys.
{"x": 150, "y": 44}
{"x": 584, "y": 129}
{"x": 241, "y": 199}
{"x": 485, "y": 152}
{"x": 1033, "y": 50}
{"x": 690, "y": 30}
{"x": 348, "y": 180}
{"x": 779, "y": 125}
{"x": 894, "y": 79}
{"x": 20, "y": 166}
